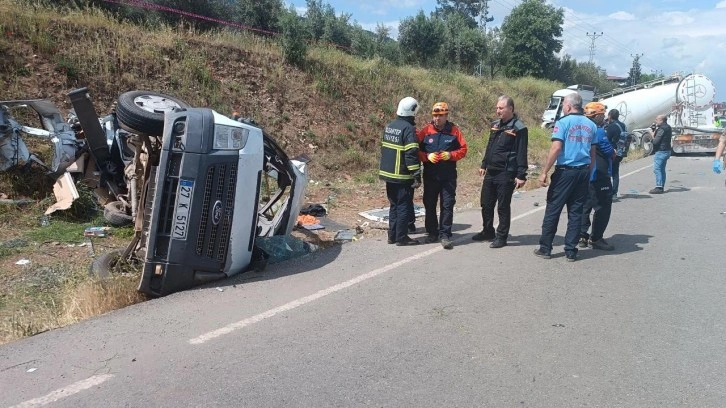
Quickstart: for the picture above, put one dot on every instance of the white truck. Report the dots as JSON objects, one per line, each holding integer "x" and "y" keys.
{"x": 687, "y": 100}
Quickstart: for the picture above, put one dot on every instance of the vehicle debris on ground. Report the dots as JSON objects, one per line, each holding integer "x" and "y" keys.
{"x": 198, "y": 187}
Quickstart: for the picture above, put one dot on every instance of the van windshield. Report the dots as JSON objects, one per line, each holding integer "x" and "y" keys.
{"x": 554, "y": 103}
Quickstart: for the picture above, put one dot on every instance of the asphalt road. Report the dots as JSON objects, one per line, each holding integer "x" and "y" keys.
{"x": 371, "y": 324}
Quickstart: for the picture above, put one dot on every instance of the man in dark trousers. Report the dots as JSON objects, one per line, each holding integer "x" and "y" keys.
{"x": 399, "y": 168}
{"x": 504, "y": 168}
{"x": 600, "y": 196}
{"x": 617, "y": 134}
{"x": 572, "y": 153}
{"x": 441, "y": 145}
{"x": 662, "y": 149}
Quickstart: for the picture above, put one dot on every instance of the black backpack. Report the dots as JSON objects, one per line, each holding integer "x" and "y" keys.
{"x": 622, "y": 145}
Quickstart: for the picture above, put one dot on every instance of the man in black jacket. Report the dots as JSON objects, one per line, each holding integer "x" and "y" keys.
{"x": 504, "y": 168}
{"x": 399, "y": 168}
{"x": 662, "y": 149}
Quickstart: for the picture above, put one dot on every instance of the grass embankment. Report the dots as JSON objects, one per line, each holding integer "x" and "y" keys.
{"x": 331, "y": 109}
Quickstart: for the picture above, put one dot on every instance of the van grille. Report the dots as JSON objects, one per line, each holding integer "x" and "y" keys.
{"x": 219, "y": 185}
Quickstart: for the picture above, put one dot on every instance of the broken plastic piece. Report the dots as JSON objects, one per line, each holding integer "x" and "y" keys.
{"x": 284, "y": 247}
{"x": 97, "y": 231}
{"x": 23, "y": 262}
{"x": 345, "y": 235}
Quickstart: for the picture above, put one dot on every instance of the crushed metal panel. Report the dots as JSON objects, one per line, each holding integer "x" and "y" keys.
{"x": 65, "y": 193}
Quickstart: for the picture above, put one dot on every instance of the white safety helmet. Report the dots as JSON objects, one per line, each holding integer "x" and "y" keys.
{"x": 407, "y": 107}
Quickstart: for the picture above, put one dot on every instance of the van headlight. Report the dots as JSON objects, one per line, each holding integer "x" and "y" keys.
{"x": 230, "y": 137}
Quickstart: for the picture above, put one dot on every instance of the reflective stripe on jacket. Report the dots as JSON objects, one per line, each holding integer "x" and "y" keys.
{"x": 399, "y": 152}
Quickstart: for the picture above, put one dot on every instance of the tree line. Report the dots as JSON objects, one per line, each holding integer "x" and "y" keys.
{"x": 527, "y": 43}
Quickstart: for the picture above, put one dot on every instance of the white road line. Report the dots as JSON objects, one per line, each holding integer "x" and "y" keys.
{"x": 335, "y": 288}
{"x": 541, "y": 208}
{"x": 65, "y": 391}
{"x": 636, "y": 171}
{"x": 307, "y": 299}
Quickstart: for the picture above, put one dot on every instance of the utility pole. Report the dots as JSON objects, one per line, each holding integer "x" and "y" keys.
{"x": 635, "y": 70}
{"x": 594, "y": 36}
{"x": 657, "y": 72}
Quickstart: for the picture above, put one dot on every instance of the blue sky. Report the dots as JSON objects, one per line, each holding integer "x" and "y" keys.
{"x": 673, "y": 35}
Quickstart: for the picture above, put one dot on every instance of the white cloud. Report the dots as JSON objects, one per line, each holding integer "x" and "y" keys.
{"x": 623, "y": 16}
{"x": 683, "y": 41}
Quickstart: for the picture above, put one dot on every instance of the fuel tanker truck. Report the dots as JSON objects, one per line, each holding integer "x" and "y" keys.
{"x": 687, "y": 100}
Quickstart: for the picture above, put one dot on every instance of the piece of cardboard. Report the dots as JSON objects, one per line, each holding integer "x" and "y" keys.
{"x": 65, "y": 193}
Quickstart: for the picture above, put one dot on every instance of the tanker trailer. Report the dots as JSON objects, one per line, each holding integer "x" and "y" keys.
{"x": 688, "y": 102}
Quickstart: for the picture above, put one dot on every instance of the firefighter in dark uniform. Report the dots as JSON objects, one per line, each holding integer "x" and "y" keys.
{"x": 441, "y": 145}
{"x": 504, "y": 168}
{"x": 400, "y": 168}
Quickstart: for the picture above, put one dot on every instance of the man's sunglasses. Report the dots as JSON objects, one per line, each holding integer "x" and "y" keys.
{"x": 440, "y": 111}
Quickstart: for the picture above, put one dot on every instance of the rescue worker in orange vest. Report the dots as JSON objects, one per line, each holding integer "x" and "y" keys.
{"x": 441, "y": 145}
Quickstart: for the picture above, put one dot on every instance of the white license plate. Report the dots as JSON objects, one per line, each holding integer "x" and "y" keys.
{"x": 183, "y": 204}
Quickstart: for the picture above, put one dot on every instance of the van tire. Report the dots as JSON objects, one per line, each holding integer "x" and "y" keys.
{"x": 104, "y": 265}
{"x": 115, "y": 214}
{"x": 142, "y": 112}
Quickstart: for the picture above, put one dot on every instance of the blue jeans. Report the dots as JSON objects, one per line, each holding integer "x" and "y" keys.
{"x": 659, "y": 167}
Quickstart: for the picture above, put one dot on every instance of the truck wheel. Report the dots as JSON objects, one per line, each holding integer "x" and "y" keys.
{"x": 142, "y": 112}
{"x": 115, "y": 214}
{"x": 104, "y": 265}
{"x": 646, "y": 142}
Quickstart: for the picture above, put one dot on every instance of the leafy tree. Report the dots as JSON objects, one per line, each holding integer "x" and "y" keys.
{"x": 314, "y": 20}
{"x": 323, "y": 25}
{"x": 565, "y": 70}
{"x": 589, "y": 74}
{"x": 420, "y": 39}
{"x": 464, "y": 46}
{"x": 649, "y": 77}
{"x": 336, "y": 30}
{"x": 363, "y": 42}
{"x": 294, "y": 46}
{"x": 532, "y": 34}
{"x": 466, "y": 10}
{"x": 216, "y": 9}
{"x": 262, "y": 14}
{"x": 495, "y": 57}
{"x": 634, "y": 75}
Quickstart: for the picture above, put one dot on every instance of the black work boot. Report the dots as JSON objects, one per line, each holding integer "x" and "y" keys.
{"x": 498, "y": 243}
{"x": 407, "y": 241}
{"x": 482, "y": 236}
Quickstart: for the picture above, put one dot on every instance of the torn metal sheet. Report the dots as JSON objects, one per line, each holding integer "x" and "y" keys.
{"x": 65, "y": 193}
{"x": 381, "y": 214}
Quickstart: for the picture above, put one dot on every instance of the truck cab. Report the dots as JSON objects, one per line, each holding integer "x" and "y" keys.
{"x": 554, "y": 109}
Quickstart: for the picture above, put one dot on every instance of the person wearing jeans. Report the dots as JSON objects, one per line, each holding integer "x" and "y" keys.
{"x": 662, "y": 149}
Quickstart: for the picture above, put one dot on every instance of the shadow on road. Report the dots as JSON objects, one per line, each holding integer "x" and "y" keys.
{"x": 302, "y": 264}
{"x": 633, "y": 195}
{"x": 677, "y": 190}
{"x": 623, "y": 243}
